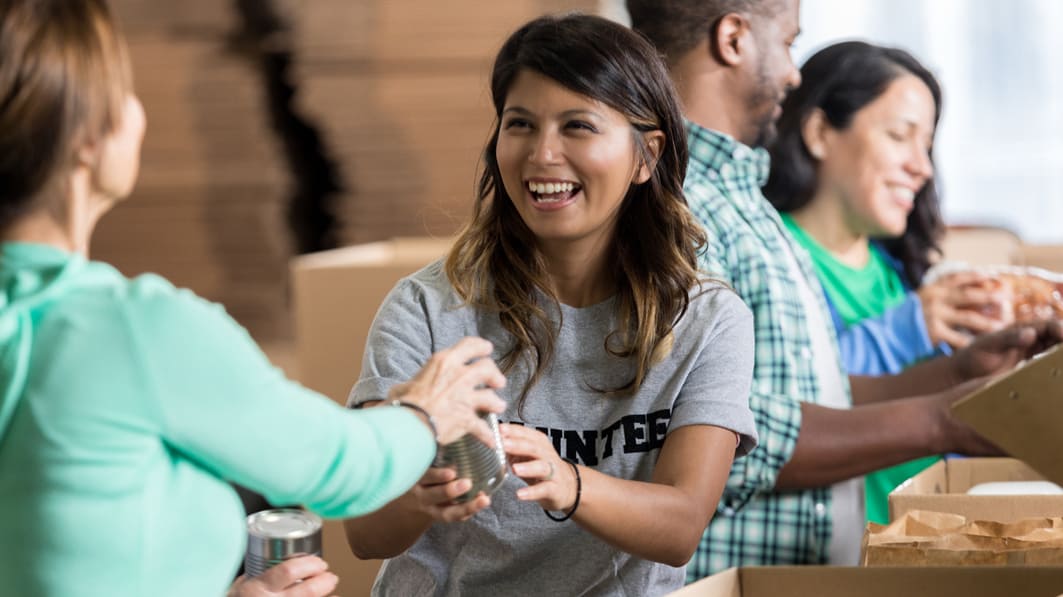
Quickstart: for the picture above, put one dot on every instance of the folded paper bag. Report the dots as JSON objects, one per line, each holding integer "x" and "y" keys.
{"x": 921, "y": 538}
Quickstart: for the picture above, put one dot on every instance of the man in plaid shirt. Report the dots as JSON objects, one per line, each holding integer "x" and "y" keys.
{"x": 797, "y": 498}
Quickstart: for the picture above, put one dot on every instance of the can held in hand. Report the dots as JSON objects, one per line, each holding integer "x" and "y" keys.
{"x": 476, "y": 461}
{"x": 276, "y": 535}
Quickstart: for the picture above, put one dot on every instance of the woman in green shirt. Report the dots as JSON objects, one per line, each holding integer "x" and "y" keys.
{"x": 126, "y": 404}
{"x": 853, "y": 175}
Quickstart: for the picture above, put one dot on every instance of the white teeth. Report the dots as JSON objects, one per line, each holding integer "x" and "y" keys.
{"x": 903, "y": 193}
{"x": 550, "y": 188}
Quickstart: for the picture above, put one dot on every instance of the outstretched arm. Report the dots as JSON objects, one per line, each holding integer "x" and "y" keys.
{"x": 839, "y": 444}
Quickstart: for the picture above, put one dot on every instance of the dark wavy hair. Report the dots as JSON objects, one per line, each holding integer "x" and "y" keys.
{"x": 496, "y": 265}
{"x": 64, "y": 76}
{"x": 840, "y": 80}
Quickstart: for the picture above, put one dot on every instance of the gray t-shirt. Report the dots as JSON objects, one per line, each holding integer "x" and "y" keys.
{"x": 512, "y": 548}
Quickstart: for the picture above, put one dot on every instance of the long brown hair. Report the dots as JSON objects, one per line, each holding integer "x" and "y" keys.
{"x": 64, "y": 77}
{"x": 495, "y": 264}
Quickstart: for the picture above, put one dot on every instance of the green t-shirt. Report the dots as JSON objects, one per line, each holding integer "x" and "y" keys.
{"x": 125, "y": 405}
{"x": 858, "y": 294}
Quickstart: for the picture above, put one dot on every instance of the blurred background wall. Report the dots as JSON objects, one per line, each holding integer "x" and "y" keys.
{"x": 277, "y": 127}
{"x": 999, "y": 147}
{"x": 1000, "y": 143}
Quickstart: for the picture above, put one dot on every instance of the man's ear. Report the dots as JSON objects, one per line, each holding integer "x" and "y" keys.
{"x": 815, "y": 132}
{"x": 654, "y": 143}
{"x": 726, "y": 39}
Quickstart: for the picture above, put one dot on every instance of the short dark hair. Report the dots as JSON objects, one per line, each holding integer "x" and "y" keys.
{"x": 840, "y": 80}
{"x": 676, "y": 26}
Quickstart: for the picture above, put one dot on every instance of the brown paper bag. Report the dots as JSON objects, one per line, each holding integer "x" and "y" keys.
{"x": 921, "y": 538}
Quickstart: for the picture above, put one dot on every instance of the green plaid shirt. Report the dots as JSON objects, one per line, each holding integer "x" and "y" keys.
{"x": 754, "y": 525}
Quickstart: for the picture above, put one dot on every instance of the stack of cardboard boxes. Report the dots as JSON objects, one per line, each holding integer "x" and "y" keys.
{"x": 402, "y": 88}
{"x": 207, "y": 209}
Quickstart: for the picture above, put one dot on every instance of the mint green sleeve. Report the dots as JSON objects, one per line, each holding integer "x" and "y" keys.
{"x": 220, "y": 403}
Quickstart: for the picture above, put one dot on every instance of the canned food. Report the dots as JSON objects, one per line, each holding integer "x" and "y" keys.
{"x": 276, "y": 535}
{"x": 474, "y": 460}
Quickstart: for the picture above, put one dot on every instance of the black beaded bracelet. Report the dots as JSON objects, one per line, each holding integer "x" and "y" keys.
{"x": 428, "y": 418}
{"x": 575, "y": 504}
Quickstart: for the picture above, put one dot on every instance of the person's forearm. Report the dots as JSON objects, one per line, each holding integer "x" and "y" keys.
{"x": 927, "y": 377}
{"x": 662, "y": 520}
{"x": 837, "y": 444}
{"x": 653, "y": 521}
{"x": 387, "y": 532}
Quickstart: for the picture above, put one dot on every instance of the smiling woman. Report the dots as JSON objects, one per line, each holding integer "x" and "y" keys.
{"x": 127, "y": 405}
{"x": 853, "y": 175}
{"x": 566, "y": 162}
{"x": 579, "y": 265}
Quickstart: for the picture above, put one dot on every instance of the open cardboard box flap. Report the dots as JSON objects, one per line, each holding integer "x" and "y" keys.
{"x": 1022, "y": 412}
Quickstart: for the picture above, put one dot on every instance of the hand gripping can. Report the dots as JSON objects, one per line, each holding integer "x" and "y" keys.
{"x": 474, "y": 460}
{"x": 276, "y": 535}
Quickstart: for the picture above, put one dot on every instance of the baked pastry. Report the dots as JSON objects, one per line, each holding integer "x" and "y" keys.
{"x": 1026, "y": 297}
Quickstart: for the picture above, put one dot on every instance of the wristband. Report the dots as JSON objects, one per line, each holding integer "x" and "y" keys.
{"x": 575, "y": 504}
{"x": 428, "y": 417}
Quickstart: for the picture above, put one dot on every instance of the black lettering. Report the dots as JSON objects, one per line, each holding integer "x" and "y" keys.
{"x": 635, "y": 430}
{"x": 658, "y": 426}
{"x": 582, "y": 448}
{"x": 557, "y": 436}
{"x": 607, "y": 439}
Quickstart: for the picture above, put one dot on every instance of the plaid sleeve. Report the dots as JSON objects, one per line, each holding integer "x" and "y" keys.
{"x": 737, "y": 259}
{"x": 755, "y": 525}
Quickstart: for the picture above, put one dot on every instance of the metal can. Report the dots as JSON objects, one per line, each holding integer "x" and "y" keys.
{"x": 476, "y": 461}
{"x": 276, "y": 535}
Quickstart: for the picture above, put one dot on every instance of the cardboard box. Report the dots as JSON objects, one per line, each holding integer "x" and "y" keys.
{"x": 981, "y": 245}
{"x": 1049, "y": 257}
{"x": 1021, "y": 412}
{"x": 828, "y": 581}
{"x": 336, "y": 295}
{"x": 943, "y": 488}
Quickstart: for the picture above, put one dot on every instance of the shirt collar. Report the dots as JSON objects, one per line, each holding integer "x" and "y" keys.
{"x": 22, "y": 255}
{"x": 711, "y": 150}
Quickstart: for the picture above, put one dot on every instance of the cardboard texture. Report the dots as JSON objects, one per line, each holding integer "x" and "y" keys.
{"x": 922, "y": 538}
{"x": 1021, "y": 412}
{"x": 820, "y": 581}
{"x": 943, "y": 488}
{"x": 336, "y": 295}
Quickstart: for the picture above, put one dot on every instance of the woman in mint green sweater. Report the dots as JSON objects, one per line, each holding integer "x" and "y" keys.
{"x": 126, "y": 404}
{"x": 853, "y": 175}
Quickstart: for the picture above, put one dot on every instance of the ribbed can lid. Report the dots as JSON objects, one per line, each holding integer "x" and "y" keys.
{"x": 283, "y": 523}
